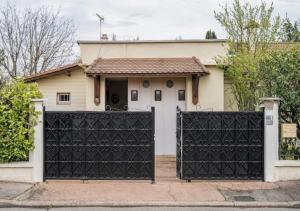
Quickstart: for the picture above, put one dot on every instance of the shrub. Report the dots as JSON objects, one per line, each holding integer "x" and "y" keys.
{"x": 280, "y": 76}
{"x": 17, "y": 118}
{"x": 290, "y": 149}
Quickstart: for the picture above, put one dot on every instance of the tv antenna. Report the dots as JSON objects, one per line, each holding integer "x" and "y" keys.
{"x": 101, "y": 20}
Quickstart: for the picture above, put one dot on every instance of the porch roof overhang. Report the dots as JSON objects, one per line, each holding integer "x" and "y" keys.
{"x": 147, "y": 66}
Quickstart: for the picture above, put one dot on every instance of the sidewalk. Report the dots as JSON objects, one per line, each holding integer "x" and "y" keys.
{"x": 167, "y": 191}
{"x": 143, "y": 193}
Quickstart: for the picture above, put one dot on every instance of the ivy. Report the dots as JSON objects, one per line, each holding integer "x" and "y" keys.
{"x": 17, "y": 120}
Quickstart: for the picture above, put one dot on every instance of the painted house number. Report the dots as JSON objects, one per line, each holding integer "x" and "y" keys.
{"x": 268, "y": 117}
{"x": 269, "y": 113}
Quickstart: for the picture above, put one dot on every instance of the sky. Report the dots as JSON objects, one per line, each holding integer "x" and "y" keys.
{"x": 149, "y": 19}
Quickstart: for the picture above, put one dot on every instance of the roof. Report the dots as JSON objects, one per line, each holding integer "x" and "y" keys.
{"x": 153, "y": 66}
{"x": 150, "y": 41}
{"x": 54, "y": 71}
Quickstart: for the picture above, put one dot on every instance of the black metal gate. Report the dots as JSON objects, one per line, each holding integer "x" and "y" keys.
{"x": 99, "y": 145}
{"x": 220, "y": 145}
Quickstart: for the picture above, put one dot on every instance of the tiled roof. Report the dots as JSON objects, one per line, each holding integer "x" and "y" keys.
{"x": 53, "y": 71}
{"x": 156, "y": 66}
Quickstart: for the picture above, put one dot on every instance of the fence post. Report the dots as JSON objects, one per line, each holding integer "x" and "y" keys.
{"x": 38, "y": 152}
{"x": 181, "y": 144}
{"x": 153, "y": 139}
{"x": 271, "y": 139}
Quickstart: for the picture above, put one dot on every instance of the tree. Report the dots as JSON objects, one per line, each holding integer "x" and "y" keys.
{"x": 2, "y": 75}
{"x": 251, "y": 30}
{"x": 242, "y": 70}
{"x": 280, "y": 76}
{"x": 249, "y": 27}
{"x": 34, "y": 39}
{"x": 210, "y": 35}
{"x": 290, "y": 32}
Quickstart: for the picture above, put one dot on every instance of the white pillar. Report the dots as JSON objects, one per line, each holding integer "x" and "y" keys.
{"x": 37, "y": 157}
{"x": 271, "y": 141}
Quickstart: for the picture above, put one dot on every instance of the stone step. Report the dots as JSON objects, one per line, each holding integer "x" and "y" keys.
{"x": 165, "y": 159}
{"x": 167, "y": 179}
{"x": 165, "y": 168}
{"x": 158, "y": 174}
{"x": 165, "y": 174}
{"x": 167, "y": 165}
{"x": 165, "y": 162}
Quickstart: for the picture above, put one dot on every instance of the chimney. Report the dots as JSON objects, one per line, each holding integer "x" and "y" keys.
{"x": 104, "y": 37}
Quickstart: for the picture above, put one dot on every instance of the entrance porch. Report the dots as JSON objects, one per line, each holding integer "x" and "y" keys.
{"x": 137, "y": 84}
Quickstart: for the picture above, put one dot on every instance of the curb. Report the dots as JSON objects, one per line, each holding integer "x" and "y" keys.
{"x": 47, "y": 204}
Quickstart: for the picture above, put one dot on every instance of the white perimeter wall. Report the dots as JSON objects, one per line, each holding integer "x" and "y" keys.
{"x": 16, "y": 171}
{"x": 287, "y": 170}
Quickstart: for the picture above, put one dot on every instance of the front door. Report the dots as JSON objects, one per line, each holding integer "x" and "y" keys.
{"x": 116, "y": 94}
{"x": 165, "y": 94}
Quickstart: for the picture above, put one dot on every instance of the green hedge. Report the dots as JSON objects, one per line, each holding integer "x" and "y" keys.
{"x": 289, "y": 149}
{"x": 17, "y": 118}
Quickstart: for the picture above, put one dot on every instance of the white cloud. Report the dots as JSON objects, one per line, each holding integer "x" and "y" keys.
{"x": 155, "y": 19}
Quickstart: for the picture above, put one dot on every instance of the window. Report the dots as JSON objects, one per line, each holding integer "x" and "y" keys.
{"x": 134, "y": 95}
{"x": 63, "y": 98}
{"x": 181, "y": 95}
{"x": 157, "y": 95}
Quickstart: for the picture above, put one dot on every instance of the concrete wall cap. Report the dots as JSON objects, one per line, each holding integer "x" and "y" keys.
{"x": 150, "y": 41}
{"x": 39, "y": 100}
{"x": 270, "y": 99}
{"x": 16, "y": 165}
{"x": 287, "y": 163}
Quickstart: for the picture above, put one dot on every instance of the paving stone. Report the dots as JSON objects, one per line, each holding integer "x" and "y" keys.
{"x": 10, "y": 190}
{"x": 275, "y": 195}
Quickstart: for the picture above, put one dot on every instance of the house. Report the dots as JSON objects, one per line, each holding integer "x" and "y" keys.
{"x": 136, "y": 75}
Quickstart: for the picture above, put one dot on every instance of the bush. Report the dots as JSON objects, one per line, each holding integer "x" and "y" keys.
{"x": 290, "y": 149}
{"x": 280, "y": 76}
{"x": 17, "y": 118}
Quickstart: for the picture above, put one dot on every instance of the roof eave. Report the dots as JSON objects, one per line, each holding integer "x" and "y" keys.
{"x": 149, "y": 74}
{"x": 46, "y": 74}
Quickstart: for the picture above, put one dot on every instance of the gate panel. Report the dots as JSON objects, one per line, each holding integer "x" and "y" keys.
{"x": 99, "y": 145}
{"x": 178, "y": 142}
{"x": 221, "y": 145}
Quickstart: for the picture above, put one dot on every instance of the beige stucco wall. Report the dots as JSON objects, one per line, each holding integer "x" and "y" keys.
{"x": 89, "y": 100}
{"x": 75, "y": 84}
{"x": 230, "y": 103}
{"x": 211, "y": 94}
{"x": 211, "y": 87}
{"x": 205, "y": 51}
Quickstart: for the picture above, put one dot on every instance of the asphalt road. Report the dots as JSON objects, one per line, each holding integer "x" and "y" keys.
{"x": 148, "y": 209}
